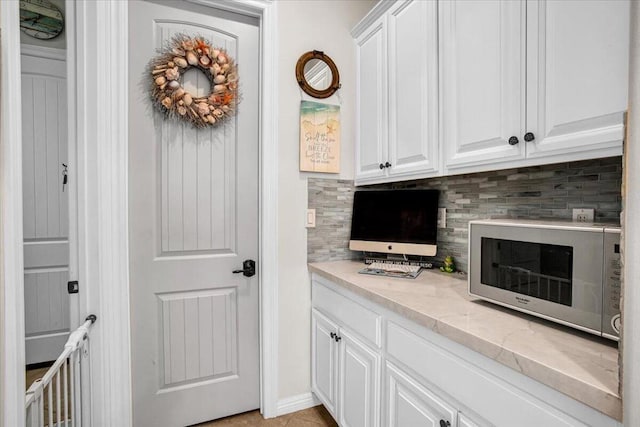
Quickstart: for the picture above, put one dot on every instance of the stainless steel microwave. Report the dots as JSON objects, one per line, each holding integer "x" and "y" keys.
{"x": 562, "y": 271}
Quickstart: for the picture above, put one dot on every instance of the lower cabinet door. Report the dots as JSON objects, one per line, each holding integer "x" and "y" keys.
{"x": 324, "y": 361}
{"x": 409, "y": 404}
{"x": 465, "y": 421}
{"x": 359, "y": 383}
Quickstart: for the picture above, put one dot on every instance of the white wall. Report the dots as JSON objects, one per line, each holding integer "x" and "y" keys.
{"x": 305, "y": 25}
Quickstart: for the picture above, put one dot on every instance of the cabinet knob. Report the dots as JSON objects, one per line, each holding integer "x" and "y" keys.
{"x": 381, "y": 165}
{"x": 387, "y": 165}
{"x": 444, "y": 423}
{"x": 529, "y": 136}
{"x": 513, "y": 140}
{"x": 333, "y": 335}
{"x": 338, "y": 338}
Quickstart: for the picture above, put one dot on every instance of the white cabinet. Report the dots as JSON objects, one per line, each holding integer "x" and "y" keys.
{"x": 345, "y": 374}
{"x": 457, "y": 86}
{"x": 324, "y": 363}
{"x": 483, "y": 81}
{"x": 577, "y": 76}
{"x": 413, "y": 88}
{"x": 465, "y": 421}
{"x": 359, "y": 377}
{"x": 415, "y": 377}
{"x": 410, "y": 404}
{"x": 397, "y": 94}
{"x": 371, "y": 133}
{"x": 549, "y": 77}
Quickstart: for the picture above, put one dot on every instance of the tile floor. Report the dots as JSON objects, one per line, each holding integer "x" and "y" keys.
{"x": 312, "y": 417}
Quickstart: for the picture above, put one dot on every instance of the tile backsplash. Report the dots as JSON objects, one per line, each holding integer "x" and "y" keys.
{"x": 549, "y": 191}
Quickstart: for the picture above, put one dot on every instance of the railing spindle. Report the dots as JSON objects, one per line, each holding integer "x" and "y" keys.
{"x": 50, "y": 403}
{"x": 65, "y": 386}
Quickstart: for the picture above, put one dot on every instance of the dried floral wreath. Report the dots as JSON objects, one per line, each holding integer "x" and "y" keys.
{"x": 169, "y": 97}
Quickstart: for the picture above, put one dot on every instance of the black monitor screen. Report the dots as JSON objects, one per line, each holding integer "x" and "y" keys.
{"x": 402, "y": 216}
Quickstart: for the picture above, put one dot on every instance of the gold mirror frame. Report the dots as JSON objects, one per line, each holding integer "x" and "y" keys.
{"x": 305, "y": 86}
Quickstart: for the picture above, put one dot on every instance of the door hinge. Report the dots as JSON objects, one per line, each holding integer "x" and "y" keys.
{"x": 73, "y": 287}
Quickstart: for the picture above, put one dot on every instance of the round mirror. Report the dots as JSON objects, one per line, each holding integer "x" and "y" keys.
{"x": 317, "y": 74}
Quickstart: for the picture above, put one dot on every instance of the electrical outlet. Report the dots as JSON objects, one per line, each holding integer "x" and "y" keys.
{"x": 583, "y": 215}
{"x": 442, "y": 217}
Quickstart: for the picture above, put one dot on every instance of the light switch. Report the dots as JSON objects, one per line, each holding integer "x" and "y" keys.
{"x": 311, "y": 218}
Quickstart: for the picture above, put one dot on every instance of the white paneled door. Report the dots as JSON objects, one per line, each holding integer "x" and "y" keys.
{"x": 193, "y": 216}
{"x": 45, "y": 207}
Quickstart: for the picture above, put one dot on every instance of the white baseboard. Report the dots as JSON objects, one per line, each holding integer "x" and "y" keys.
{"x": 297, "y": 403}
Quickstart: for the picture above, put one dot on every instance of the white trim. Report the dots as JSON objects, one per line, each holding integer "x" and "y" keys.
{"x": 77, "y": 305}
{"x": 101, "y": 136}
{"x": 43, "y": 52}
{"x": 12, "y": 355}
{"x": 297, "y": 403}
{"x": 372, "y": 16}
{"x": 100, "y": 45}
{"x": 631, "y": 237}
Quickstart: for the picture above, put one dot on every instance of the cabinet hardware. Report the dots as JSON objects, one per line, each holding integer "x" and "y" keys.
{"x": 444, "y": 423}
{"x": 513, "y": 140}
{"x": 381, "y": 166}
{"x": 333, "y": 335}
{"x": 387, "y": 165}
{"x": 338, "y": 338}
{"x": 529, "y": 137}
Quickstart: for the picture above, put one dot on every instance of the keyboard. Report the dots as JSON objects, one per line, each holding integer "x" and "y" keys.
{"x": 392, "y": 270}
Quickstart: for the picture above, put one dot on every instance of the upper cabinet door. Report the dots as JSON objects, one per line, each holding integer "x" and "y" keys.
{"x": 371, "y": 146}
{"x": 483, "y": 81}
{"x": 413, "y": 87}
{"x": 577, "y": 73}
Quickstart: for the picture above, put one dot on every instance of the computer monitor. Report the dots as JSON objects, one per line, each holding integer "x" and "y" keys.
{"x": 395, "y": 222}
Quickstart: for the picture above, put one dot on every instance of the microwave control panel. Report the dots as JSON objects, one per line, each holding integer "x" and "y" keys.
{"x": 612, "y": 282}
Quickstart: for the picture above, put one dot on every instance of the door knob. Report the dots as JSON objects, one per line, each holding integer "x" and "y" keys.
{"x": 529, "y": 136}
{"x": 248, "y": 268}
{"x": 513, "y": 140}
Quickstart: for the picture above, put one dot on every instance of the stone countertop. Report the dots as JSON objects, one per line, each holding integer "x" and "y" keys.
{"x": 580, "y": 365}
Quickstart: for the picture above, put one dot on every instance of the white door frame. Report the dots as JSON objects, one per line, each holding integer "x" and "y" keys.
{"x": 12, "y": 381}
{"x": 97, "y": 52}
{"x": 98, "y": 46}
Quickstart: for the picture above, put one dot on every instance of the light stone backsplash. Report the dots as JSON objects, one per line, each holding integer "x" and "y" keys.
{"x": 539, "y": 192}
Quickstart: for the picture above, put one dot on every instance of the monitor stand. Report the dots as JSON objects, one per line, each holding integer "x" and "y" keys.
{"x": 395, "y": 259}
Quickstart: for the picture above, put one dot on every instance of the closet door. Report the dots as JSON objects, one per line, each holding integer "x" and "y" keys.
{"x": 577, "y": 74}
{"x": 413, "y": 88}
{"x": 45, "y": 206}
{"x": 371, "y": 138}
{"x": 483, "y": 81}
